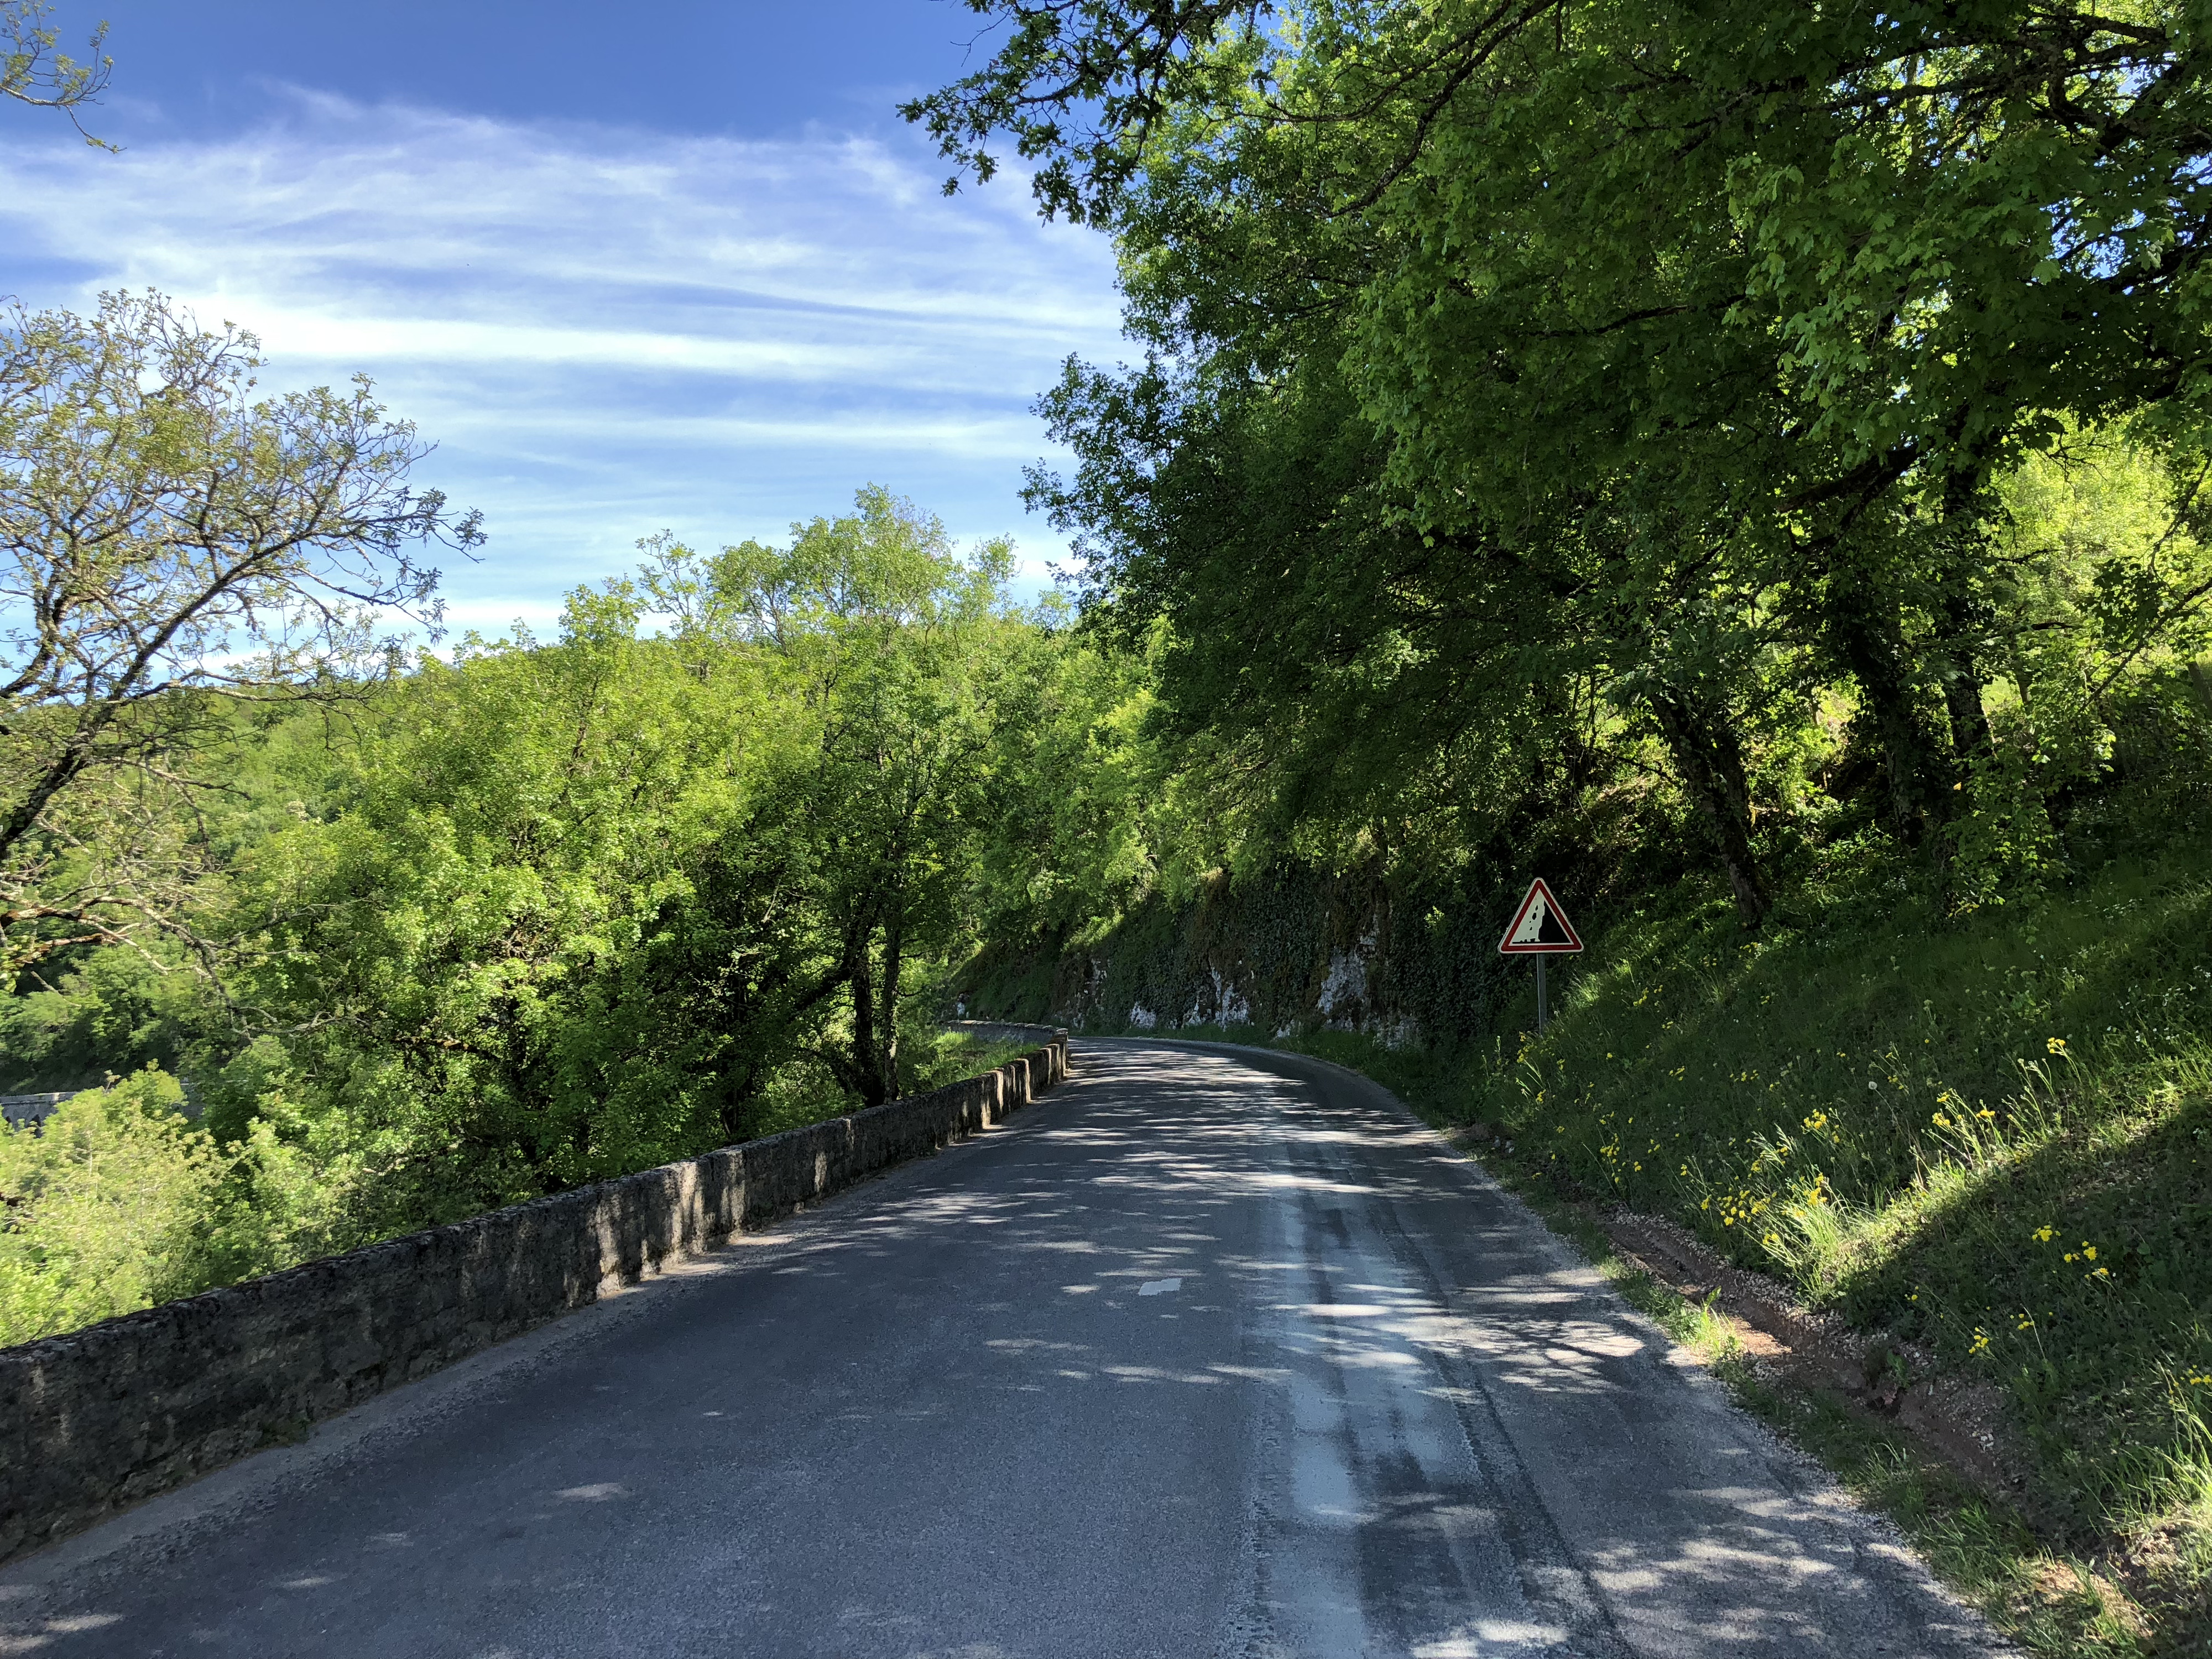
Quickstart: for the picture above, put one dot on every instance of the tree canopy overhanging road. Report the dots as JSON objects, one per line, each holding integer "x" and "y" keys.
{"x": 1213, "y": 1352}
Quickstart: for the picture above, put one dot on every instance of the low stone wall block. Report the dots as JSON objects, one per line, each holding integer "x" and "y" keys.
{"x": 99, "y": 1419}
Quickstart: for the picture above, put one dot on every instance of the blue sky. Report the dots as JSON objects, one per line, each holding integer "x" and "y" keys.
{"x": 662, "y": 265}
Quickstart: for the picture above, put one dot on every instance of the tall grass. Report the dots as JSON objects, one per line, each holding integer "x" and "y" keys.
{"x": 1993, "y": 1137}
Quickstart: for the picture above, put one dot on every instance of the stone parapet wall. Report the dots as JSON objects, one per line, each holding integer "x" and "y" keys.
{"x": 99, "y": 1419}
{"x": 995, "y": 1030}
{"x": 19, "y": 1109}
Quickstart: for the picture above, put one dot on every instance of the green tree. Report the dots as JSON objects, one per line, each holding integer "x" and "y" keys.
{"x": 174, "y": 544}
{"x": 898, "y": 650}
{"x": 105, "y": 1208}
{"x": 470, "y": 918}
{"x": 1710, "y": 330}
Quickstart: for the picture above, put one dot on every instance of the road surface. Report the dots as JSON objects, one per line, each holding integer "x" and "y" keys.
{"x": 1209, "y": 1353}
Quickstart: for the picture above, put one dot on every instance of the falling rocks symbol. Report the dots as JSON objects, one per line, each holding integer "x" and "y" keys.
{"x": 1540, "y": 925}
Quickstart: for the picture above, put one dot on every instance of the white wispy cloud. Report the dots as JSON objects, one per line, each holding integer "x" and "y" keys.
{"x": 607, "y": 332}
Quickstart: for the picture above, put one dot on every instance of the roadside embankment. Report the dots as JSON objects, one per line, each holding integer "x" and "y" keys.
{"x": 1950, "y": 1168}
{"x": 99, "y": 1419}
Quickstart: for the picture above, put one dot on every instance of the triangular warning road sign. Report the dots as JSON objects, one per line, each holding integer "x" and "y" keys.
{"x": 1539, "y": 926}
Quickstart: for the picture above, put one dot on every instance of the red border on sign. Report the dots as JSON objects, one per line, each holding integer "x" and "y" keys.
{"x": 1507, "y": 948}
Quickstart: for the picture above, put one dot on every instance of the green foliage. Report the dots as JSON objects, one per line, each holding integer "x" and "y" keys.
{"x": 470, "y": 906}
{"x": 1084, "y": 811}
{"x": 553, "y": 912}
{"x": 115, "y": 1009}
{"x": 107, "y": 1208}
{"x": 901, "y": 665}
{"x": 177, "y": 548}
{"x": 533, "y": 913}
{"x": 1536, "y": 399}
{"x": 2006, "y": 843}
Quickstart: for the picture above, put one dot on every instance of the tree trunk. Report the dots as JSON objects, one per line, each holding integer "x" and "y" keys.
{"x": 865, "y": 1072}
{"x": 1962, "y": 701}
{"x": 894, "y": 955}
{"x": 1962, "y": 685}
{"x": 1875, "y": 655}
{"x": 1709, "y": 760}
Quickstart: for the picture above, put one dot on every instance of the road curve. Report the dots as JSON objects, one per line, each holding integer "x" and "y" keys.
{"x": 1211, "y": 1352}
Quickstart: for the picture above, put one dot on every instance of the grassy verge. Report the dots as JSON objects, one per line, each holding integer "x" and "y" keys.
{"x": 955, "y": 1057}
{"x": 2051, "y": 1600}
{"x": 1990, "y": 1135}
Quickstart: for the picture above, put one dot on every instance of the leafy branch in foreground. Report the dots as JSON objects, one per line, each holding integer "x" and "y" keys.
{"x": 1081, "y": 84}
{"x": 169, "y": 544}
{"x": 32, "y": 72}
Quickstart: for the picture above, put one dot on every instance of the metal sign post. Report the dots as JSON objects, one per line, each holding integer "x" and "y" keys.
{"x": 1540, "y": 928}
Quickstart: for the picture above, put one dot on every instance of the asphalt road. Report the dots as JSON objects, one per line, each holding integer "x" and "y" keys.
{"x": 1210, "y": 1353}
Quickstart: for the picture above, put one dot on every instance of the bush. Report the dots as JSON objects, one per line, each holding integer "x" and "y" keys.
{"x": 106, "y": 1204}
